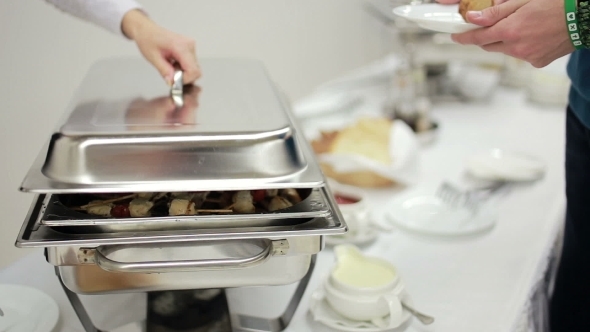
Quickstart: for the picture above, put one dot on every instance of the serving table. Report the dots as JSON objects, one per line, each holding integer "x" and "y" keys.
{"x": 496, "y": 281}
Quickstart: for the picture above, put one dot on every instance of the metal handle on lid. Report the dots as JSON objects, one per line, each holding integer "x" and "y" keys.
{"x": 177, "y": 79}
{"x": 176, "y": 89}
{"x": 108, "y": 264}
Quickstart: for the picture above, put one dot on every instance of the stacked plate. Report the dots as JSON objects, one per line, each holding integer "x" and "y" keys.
{"x": 426, "y": 213}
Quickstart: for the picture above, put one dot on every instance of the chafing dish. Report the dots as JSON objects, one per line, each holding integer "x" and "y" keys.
{"x": 121, "y": 134}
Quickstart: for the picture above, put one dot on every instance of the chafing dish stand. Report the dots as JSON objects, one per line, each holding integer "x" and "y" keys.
{"x": 239, "y": 323}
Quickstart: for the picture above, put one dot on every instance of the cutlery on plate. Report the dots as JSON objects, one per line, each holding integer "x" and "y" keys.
{"x": 469, "y": 199}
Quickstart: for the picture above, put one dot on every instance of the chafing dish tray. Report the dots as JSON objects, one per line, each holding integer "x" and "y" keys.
{"x": 54, "y": 214}
{"x": 157, "y": 260}
{"x": 150, "y": 161}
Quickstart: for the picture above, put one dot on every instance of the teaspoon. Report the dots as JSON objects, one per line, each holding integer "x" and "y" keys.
{"x": 424, "y": 319}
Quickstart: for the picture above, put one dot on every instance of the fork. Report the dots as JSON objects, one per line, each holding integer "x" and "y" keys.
{"x": 469, "y": 199}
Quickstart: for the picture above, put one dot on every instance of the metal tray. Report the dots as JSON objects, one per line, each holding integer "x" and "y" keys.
{"x": 34, "y": 234}
{"x": 123, "y": 132}
{"x": 55, "y": 215}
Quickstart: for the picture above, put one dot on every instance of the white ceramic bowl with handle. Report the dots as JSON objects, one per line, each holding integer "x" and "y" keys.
{"x": 364, "y": 288}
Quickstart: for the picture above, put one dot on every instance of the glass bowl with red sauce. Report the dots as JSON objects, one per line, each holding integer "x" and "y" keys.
{"x": 353, "y": 206}
{"x": 344, "y": 199}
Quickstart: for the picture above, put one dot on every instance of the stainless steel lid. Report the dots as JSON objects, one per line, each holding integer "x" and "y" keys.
{"x": 235, "y": 99}
{"x": 124, "y": 132}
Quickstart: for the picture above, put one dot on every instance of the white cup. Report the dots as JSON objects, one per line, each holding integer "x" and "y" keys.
{"x": 364, "y": 300}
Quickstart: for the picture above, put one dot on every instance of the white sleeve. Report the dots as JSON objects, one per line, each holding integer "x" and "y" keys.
{"x": 105, "y": 13}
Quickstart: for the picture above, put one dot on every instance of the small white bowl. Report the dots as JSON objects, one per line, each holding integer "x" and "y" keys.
{"x": 355, "y": 214}
{"x": 350, "y": 262}
{"x": 364, "y": 300}
{"x": 366, "y": 308}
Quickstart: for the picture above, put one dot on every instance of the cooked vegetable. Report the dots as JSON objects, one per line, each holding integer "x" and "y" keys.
{"x": 120, "y": 211}
{"x": 243, "y": 202}
{"x": 96, "y": 208}
{"x": 140, "y": 207}
{"x": 182, "y": 207}
{"x": 146, "y": 204}
{"x": 292, "y": 195}
{"x": 279, "y": 203}
{"x": 258, "y": 195}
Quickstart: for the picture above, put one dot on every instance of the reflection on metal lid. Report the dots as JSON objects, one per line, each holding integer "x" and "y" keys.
{"x": 125, "y": 97}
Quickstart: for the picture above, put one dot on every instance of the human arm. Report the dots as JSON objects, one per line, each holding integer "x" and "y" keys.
{"x": 127, "y": 19}
{"x": 161, "y": 47}
{"x": 531, "y": 30}
{"x": 107, "y": 14}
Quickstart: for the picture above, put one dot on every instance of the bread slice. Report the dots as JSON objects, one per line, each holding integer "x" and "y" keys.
{"x": 323, "y": 143}
{"x": 475, "y": 5}
{"x": 368, "y": 138}
{"x": 363, "y": 179}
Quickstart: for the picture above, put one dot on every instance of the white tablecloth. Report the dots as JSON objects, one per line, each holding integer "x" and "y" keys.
{"x": 485, "y": 283}
{"x": 490, "y": 282}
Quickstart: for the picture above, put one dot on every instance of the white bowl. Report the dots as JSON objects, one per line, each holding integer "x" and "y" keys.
{"x": 366, "y": 308}
{"x": 364, "y": 288}
{"x": 356, "y": 215}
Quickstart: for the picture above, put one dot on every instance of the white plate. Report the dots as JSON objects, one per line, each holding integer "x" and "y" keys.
{"x": 427, "y": 214}
{"x": 323, "y": 313}
{"x": 26, "y": 310}
{"x": 436, "y": 17}
{"x": 499, "y": 165}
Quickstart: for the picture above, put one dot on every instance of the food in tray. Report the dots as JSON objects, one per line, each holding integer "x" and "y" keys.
{"x": 368, "y": 137}
{"x": 184, "y": 203}
{"x": 475, "y": 5}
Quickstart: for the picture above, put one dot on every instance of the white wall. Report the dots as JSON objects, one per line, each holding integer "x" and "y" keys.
{"x": 44, "y": 54}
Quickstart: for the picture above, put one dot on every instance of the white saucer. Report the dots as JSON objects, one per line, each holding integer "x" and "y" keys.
{"x": 26, "y": 309}
{"x": 500, "y": 165}
{"x": 364, "y": 235}
{"x": 323, "y": 313}
{"x": 427, "y": 214}
{"x": 436, "y": 17}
